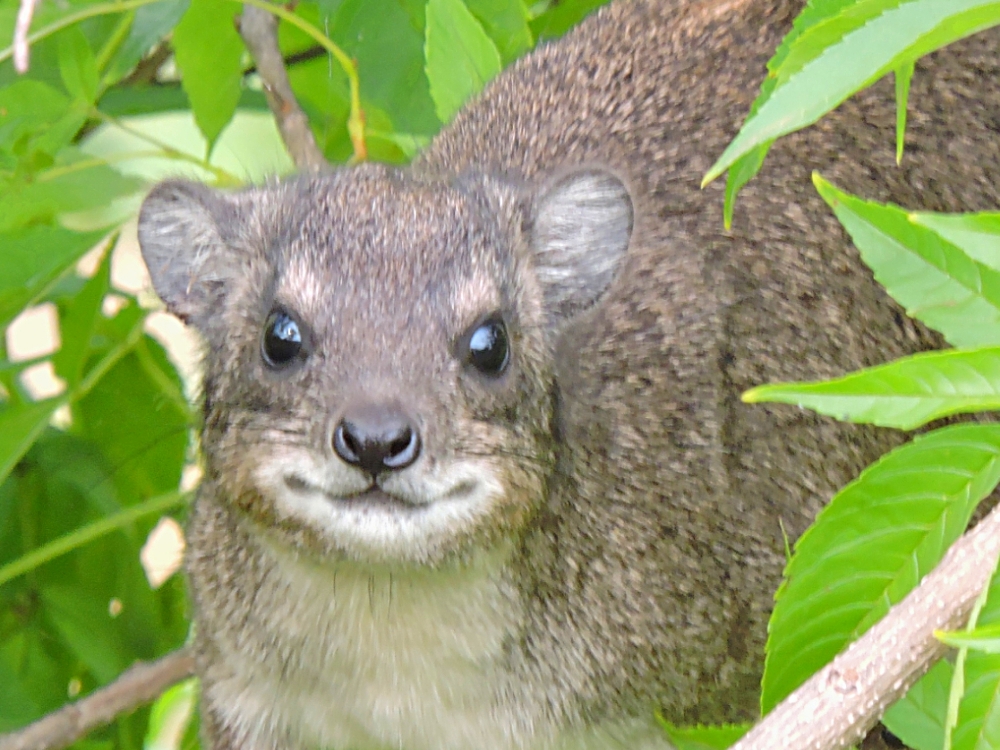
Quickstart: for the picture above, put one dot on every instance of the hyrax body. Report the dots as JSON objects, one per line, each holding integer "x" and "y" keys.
{"x": 478, "y": 476}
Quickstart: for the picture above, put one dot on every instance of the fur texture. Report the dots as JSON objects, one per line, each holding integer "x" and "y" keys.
{"x": 596, "y": 532}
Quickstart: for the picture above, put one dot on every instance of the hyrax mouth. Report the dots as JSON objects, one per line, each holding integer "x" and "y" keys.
{"x": 373, "y": 497}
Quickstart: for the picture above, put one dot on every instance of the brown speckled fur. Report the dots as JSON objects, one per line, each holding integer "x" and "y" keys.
{"x": 649, "y": 502}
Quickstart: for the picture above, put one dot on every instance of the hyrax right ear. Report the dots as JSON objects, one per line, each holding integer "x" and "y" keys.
{"x": 579, "y": 234}
{"x": 183, "y": 245}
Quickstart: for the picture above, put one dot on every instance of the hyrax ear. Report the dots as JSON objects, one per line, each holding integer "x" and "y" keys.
{"x": 181, "y": 227}
{"x": 579, "y": 235}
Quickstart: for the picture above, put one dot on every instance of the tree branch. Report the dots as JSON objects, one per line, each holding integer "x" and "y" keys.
{"x": 139, "y": 684}
{"x": 259, "y": 30}
{"x": 835, "y": 707}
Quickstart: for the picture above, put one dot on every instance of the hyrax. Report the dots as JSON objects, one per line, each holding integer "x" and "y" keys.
{"x": 477, "y": 472}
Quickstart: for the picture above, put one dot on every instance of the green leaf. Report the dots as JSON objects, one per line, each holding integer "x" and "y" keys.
{"x": 985, "y": 639}
{"x": 83, "y": 623}
{"x": 461, "y": 58}
{"x": 560, "y": 16}
{"x": 77, "y": 65}
{"x": 34, "y": 108}
{"x": 903, "y": 394}
{"x": 702, "y": 737}
{"x": 150, "y": 25}
{"x": 171, "y": 714}
{"x": 918, "y": 718}
{"x": 978, "y": 235}
{"x": 872, "y": 544}
{"x": 76, "y": 326}
{"x": 506, "y": 23}
{"x": 978, "y": 725}
{"x": 933, "y": 279}
{"x": 33, "y": 260}
{"x": 903, "y": 76}
{"x": 208, "y": 51}
{"x": 20, "y": 426}
{"x": 850, "y": 47}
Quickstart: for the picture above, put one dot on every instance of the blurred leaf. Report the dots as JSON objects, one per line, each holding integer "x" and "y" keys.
{"x": 846, "y": 49}
{"x": 506, "y": 23}
{"x": 933, "y": 279}
{"x": 461, "y": 58}
{"x": 74, "y": 183}
{"x": 872, "y": 544}
{"x": 77, "y": 65}
{"x": 171, "y": 716}
{"x": 208, "y": 51}
{"x": 20, "y": 426}
{"x": 76, "y": 325}
{"x": 84, "y": 624}
{"x": 150, "y": 25}
{"x": 918, "y": 718}
{"x": 33, "y": 260}
{"x": 29, "y": 107}
{"x": 703, "y": 738}
{"x": 562, "y": 15}
{"x": 985, "y": 639}
{"x": 978, "y": 726}
{"x": 903, "y": 394}
{"x": 978, "y": 235}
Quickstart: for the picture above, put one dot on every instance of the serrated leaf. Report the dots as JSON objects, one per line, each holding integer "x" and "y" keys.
{"x": 33, "y": 260}
{"x": 903, "y": 394}
{"x": 872, "y": 544}
{"x": 703, "y": 737}
{"x": 918, "y": 718}
{"x": 978, "y": 235}
{"x": 978, "y": 726}
{"x": 933, "y": 279}
{"x": 208, "y": 51}
{"x": 461, "y": 58}
{"x": 847, "y": 50}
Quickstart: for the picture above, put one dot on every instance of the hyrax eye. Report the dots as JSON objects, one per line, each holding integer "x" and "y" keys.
{"x": 281, "y": 343}
{"x": 487, "y": 347}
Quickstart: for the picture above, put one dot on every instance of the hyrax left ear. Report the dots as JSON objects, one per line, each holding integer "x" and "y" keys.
{"x": 182, "y": 231}
{"x": 579, "y": 234}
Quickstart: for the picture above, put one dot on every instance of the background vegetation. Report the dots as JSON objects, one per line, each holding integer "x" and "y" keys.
{"x": 119, "y": 94}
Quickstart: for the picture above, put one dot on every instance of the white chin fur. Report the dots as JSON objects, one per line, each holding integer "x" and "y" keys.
{"x": 438, "y": 509}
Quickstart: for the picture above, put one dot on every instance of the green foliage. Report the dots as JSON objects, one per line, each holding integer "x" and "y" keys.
{"x": 702, "y": 737}
{"x": 836, "y": 48}
{"x": 118, "y": 95}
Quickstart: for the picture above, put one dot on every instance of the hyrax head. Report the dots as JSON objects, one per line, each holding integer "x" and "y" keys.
{"x": 379, "y": 371}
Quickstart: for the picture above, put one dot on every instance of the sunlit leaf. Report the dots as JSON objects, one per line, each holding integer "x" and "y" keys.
{"x": 903, "y": 394}
{"x": 703, "y": 737}
{"x": 933, "y": 279}
{"x": 918, "y": 717}
{"x": 872, "y": 544}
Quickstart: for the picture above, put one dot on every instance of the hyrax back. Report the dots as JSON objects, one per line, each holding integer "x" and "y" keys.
{"x": 478, "y": 475}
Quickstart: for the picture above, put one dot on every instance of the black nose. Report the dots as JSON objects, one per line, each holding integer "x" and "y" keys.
{"x": 376, "y": 438}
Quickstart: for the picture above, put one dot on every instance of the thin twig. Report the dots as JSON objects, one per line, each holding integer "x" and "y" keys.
{"x": 138, "y": 685}
{"x": 838, "y": 704}
{"x": 21, "y": 47}
{"x": 259, "y": 30}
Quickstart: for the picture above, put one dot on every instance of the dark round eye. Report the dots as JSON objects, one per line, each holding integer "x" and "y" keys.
{"x": 282, "y": 341}
{"x": 489, "y": 351}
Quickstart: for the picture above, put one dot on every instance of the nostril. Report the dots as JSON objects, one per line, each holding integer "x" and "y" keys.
{"x": 403, "y": 450}
{"x": 347, "y": 446}
{"x": 376, "y": 442}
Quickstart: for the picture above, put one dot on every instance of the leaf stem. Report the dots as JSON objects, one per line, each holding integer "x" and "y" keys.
{"x": 90, "y": 532}
{"x": 355, "y": 120}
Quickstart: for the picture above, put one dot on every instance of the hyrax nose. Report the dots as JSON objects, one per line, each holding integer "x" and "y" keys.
{"x": 376, "y": 438}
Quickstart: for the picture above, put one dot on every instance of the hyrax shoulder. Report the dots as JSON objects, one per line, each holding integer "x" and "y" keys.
{"x": 478, "y": 475}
